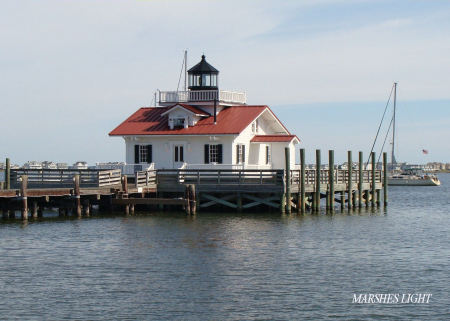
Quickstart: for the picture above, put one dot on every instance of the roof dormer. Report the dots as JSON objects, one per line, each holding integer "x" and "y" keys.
{"x": 183, "y": 116}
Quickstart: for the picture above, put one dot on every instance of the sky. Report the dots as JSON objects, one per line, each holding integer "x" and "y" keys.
{"x": 71, "y": 71}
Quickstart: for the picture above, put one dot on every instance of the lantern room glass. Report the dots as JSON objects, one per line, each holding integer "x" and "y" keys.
{"x": 203, "y": 80}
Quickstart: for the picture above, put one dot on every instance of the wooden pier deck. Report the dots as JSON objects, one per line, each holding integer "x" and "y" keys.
{"x": 76, "y": 191}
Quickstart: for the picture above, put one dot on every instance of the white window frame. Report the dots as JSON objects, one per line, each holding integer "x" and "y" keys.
{"x": 268, "y": 154}
{"x": 240, "y": 155}
{"x": 213, "y": 153}
{"x": 143, "y": 154}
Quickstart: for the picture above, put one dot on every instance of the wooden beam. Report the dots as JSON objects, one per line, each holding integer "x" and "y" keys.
{"x": 316, "y": 204}
{"x": 360, "y": 177}
{"x": 259, "y": 200}
{"x": 331, "y": 180}
{"x": 219, "y": 201}
{"x": 76, "y": 180}
{"x": 302, "y": 180}
{"x": 349, "y": 179}
{"x": 225, "y": 197}
{"x": 287, "y": 157}
{"x": 8, "y": 174}
{"x": 23, "y": 193}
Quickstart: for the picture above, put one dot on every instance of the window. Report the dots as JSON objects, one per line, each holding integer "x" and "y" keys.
{"x": 142, "y": 154}
{"x": 178, "y": 150}
{"x": 206, "y": 80}
{"x": 255, "y": 127}
{"x": 240, "y": 154}
{"x": 213, "y": 153}
{"x": 268, "y": 155}
{"x": 178, "y": 122}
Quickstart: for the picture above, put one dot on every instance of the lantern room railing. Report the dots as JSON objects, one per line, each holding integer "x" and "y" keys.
{"x": 223, "y": 96}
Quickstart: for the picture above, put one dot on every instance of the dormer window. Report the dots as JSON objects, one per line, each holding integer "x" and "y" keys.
{"x": 178, "y": 122}
{"x": 255, "y": 126}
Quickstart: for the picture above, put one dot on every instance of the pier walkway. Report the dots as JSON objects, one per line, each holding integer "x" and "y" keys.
{"x": 76, "y": 191}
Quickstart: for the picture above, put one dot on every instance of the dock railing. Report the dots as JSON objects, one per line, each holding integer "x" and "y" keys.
{"x": 63, "y": 178}
{"x": 145, "y": 178}
{"x": 220, "y": 177}
{"x": 340, "y": 176}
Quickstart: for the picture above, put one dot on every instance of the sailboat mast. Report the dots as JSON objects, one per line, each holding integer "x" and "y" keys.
{"x": 185, "y": 70}
{"x": 393, "y": 126}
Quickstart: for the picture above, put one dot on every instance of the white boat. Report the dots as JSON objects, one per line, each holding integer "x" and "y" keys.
{"x": 407, "y": 177}
{"x": 413, "y": 179}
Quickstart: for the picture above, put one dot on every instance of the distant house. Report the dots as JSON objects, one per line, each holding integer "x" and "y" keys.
{"x": 32, "y": 165}
{"x": 79, "y": 165}
{"x": 62, "y": 166}
{"x": 49, "y": 165}
{"x": 205, "y": 127}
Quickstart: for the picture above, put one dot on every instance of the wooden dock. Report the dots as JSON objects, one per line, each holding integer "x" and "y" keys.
{"x": 300, "y": 190}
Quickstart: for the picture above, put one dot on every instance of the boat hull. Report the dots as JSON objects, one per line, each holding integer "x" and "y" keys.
{"x": 413, "y": 182}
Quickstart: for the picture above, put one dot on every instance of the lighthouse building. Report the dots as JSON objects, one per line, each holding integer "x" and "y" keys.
{"x": 204, "y": 127}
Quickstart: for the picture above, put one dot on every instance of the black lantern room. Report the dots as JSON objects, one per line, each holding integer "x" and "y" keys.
{"x": 203, "y": 76}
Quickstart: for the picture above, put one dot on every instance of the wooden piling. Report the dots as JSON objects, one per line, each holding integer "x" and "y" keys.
{"x": 342, "y": 200}
{"x": 349, "y": 179}
{"x": 331, "y": 180}
{"x": 373, "y": 180}
{"x": 187, "y": 197}
{"x": 34, "y": 209}
{"x": 23, "y": 193}
{"x": 367, "y": 197}
{"x": 5, "y": 213}
{"x": 316, "y": 206}
{"x": 302, "y": 180}
{"x": 76, "y": 180}
{"x": 8, "y": 174}
{"x": 125, "y": 193}
{"x": 193, "y": 201}
{"x": 385, "y": 181}
{"x": 287, "y": 157}
{"x": 378, "y": 197}
{"x": 87, "y": 207}
{"x": 283, "y": 203}
{"x": 239, "y": 202}
{"x": 132, "y": 209}
{"x": 125, "y": 185}
{"x": 360, "y": 179}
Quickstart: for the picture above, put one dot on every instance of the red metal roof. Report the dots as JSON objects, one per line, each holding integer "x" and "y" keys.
{"x": 190, "y": 108}
{"x": 148, "y": 121}
{"x": 273, "y": 138}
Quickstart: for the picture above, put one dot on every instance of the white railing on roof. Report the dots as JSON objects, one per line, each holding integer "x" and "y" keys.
{"x": 202, "y": 95}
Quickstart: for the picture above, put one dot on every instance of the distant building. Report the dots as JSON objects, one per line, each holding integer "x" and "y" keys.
{"x": 79, "y": 165}
{"x": 62, "y": 166}
{"x": 32, "y": 165}
{"x": 49, "y": 165}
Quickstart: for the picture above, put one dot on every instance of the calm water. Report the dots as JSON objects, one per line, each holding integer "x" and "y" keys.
{"x": 231, "y": 267}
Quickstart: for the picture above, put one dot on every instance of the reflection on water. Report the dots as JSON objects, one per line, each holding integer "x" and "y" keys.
{"x": 230, "y": 266}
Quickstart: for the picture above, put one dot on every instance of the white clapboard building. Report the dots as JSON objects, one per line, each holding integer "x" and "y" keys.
{"x": 204, "y": 127}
